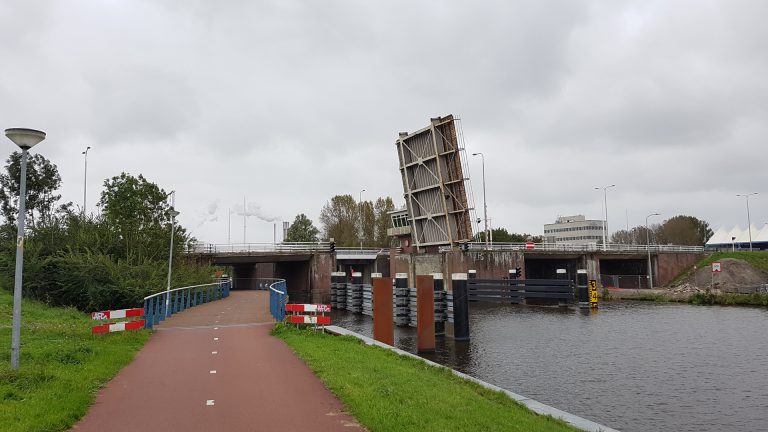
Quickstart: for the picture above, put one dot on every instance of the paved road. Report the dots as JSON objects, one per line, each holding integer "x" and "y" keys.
{"x": 216, "y": 368}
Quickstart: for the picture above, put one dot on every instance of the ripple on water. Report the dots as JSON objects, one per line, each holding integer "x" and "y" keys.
{"x": 634, "y": 366}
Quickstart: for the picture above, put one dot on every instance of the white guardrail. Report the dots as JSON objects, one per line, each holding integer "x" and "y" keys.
{"x": 473, "y": 246}
{"x": 568, "y": 247}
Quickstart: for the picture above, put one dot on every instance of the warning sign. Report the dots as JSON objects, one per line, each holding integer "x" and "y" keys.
{"x": 716, "y": 267}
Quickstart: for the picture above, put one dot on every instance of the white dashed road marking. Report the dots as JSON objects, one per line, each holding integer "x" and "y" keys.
{"x": 209, "y": 402}
{"x": 213, "y": 372}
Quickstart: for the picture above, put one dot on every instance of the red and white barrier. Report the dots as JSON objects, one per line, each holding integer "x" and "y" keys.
{"x": 307, "y": 319}
{"x": 313, "y": 309}
{"x": 316, "y": 308}
{"x": 117, "y": 327}
{"x": 120, "y": 326}
{"x": 120, "y": 313}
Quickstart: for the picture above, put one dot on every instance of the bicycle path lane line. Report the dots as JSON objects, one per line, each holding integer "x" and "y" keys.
{"x": 258, "y": 384}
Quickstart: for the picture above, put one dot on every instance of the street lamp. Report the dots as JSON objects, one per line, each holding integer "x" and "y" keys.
{"x": 361, "y": 217}
{"x": 25, "y": 139}
{"x": 605, "y": 210}
{"x": 648, "y": 247}
{"x": 85, "y": 179}
{"x": 173, "y": 213}
{"x": 749, "y": 222}
{"x": 485, "y": 201}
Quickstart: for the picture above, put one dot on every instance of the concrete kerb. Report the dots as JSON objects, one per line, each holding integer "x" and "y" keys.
{"x": 533, "y": 405}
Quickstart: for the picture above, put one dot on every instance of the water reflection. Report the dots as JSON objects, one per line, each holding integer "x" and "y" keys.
{"x": 633, "y": 366}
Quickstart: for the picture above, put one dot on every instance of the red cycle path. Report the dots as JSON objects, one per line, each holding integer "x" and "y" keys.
{"x": 215, "y": 367}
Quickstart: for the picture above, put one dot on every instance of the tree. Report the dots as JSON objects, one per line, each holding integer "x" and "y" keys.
{"x": 501, "y": 235}
{"x": 138, "y": 212}
{"x": 339, "y": 220}
{"x": 302, "y": 230}
{"x": 383, "y": 221}
{"x": 43, "y": 180}
{"x": 684, "y": 230}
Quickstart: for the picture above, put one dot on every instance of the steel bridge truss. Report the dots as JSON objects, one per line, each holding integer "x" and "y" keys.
{"x": 434, "y": 184}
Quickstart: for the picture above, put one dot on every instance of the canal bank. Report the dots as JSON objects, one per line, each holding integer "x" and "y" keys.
{"x": 636, "y": 366}
{"x": 533, "y": 405}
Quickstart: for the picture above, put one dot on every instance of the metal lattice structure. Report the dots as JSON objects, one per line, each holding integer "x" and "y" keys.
{"x": 434, "y": 184}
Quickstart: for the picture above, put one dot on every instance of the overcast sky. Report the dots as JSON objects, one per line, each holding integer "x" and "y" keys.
{"x": 287, "y": 103}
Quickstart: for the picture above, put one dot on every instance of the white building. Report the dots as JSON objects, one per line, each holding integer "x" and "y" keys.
{"x": 574, "y": 230}
{"x": 738, "y": 239}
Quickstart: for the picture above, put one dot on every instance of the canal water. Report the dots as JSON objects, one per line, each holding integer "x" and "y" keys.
{"x": 633, "y": 366}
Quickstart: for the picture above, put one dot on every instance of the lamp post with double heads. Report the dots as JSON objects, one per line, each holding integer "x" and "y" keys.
{"x": 648, "y": 247}
{"x": 485, "y": 201}
{"x": 85, "y": 179}
{"x": 25, "y": 139}
{"x": 749, "y": 221}
{"x": 173, "y": 213}
{"x": 605, "y": 214}
{"x": 361, "y": 217}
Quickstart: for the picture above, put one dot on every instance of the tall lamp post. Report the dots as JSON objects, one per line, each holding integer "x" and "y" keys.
{"x": 361, "y": 217}
{"x": 605, "y": 213}
{"x": 648, "y": 247}
{"x": 749, "y": 222}
{"x": 25, "y": 139}
{"x": 85, "y": 178}
{"x": 485, "y": 201}
{"x": 173, "y": 214}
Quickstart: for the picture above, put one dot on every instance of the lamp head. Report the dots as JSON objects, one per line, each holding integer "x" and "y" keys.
{"x": 173, "y": 213}
{"x": 25, "y": 138}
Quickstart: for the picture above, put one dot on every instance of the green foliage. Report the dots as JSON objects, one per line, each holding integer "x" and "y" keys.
{"x": 302, "y": 230}
{"x": 341, "y": 217}
{"x": 501, "y": 235}
{"x": 137, "y": 211}
{"x": 684, "y": 230}
{"x": 43, "y": 180}
{"x": 679, "y": 230}
{"x": 728, "y": 299}
{"x": 107, "y": 261}
{"x": 388, "y": 392}
{"x": 381, "y": 209}
{"x": 62, "y": 366}
{"x": 758, "y": 259}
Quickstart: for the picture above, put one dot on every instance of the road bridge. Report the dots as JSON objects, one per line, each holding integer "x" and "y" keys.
{"x": 307, "y": 267}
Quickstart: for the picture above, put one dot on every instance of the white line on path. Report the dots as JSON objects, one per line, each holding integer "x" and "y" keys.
{"x": 214, "y": 352}
{"x": 209, "y": 402}
{"x": 215, "y": 339}
{"x": 215, "y": 328}
{"x": 213, "y": 372}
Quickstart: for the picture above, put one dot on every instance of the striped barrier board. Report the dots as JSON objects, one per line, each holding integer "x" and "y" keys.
{"x": 307, "y": 319}
{"x": 316, "y": 308}
{"x": 120, "y": 313}
{"x": 316, "y": 314}
{"x": 117, "y": 327}
{"x": 120, "y": 326}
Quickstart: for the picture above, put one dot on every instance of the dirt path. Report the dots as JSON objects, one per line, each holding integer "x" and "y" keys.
{"x": 216, "y": 368}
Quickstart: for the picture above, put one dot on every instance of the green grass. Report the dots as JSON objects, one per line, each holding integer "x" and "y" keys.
{"x": 758, "y": 259}
{"x": 388, "y": 392}
{"x": 62, "y": 365}
{"x": 728, "y": 299}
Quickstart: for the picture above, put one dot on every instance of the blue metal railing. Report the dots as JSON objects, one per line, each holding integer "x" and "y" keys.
{"x": 278, "y": 298}
{"x": 162, "y": 305}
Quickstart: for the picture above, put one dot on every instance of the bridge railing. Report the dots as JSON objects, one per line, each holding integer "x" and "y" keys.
{"x": 570, "y": 247}
{"x": 278, "y": 298}
{"x": 162, "y": 305}
{"x": 258, "y": 247}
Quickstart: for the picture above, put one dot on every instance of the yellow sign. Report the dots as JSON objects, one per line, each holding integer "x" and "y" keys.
{"x": 593, "y": 293}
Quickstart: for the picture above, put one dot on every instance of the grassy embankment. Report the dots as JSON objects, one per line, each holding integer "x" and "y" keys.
{"x": 758, "y": 260}
{"x": 61, "y": 366}
{"x": 388, "y": 392}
